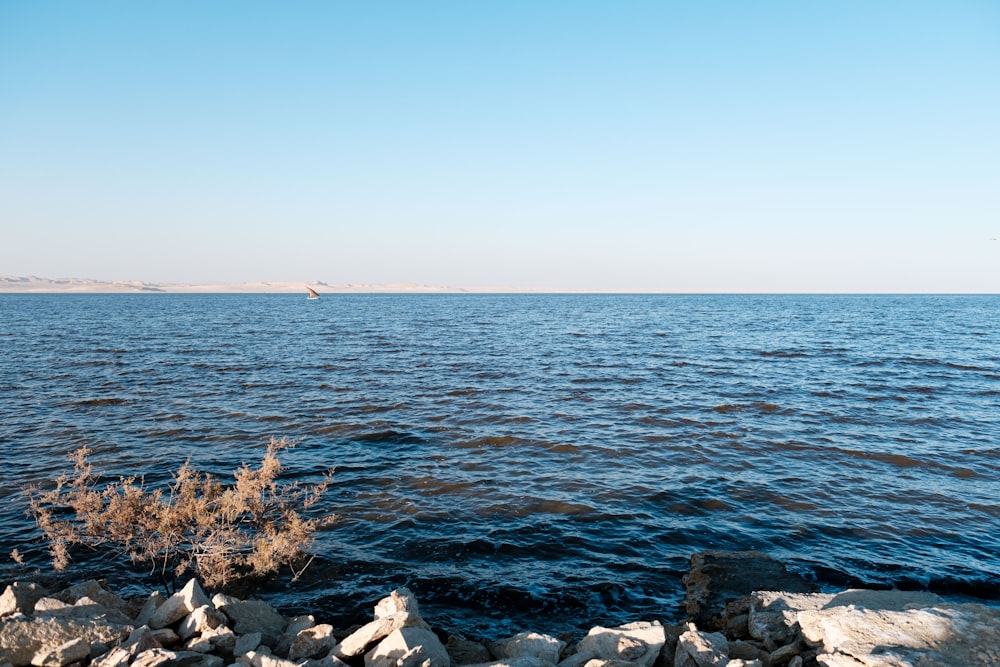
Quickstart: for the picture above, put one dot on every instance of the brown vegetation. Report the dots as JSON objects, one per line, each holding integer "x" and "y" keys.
{"x": 220, "y": 533}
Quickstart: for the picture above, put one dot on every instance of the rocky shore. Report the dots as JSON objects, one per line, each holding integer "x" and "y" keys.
{"x": 730, "y": 623}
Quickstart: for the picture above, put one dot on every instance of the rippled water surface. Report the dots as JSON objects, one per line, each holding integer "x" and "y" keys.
{"x": 541, "y": 461}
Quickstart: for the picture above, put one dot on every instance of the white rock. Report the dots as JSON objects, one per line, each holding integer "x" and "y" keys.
{"x": 359, "y": 640}
{"x": 294, "y": 627}
{"x": 141, "y": 639}
{"x": 859, "y": 627}
{"x": 261, "y": 659}
{"x": 159, "y": 657}
{"x": 116, "y": 657}
{"x": 95, "y": 591}
{"x": 222, "y": 638}
{"x": 205, "y": 617}
{"x": 20, "y": 598}
{"x": 523, "y": 644}
{"x": 179, "y": 605}
{"x": 637, "y": 644}
{"x": 409, "y": 647}
{"x": 400, "y": 600}
{"x": 50, "y": 605}
{"x": 85, "y": 609}
{"x": 701, "y": 649}
{"x": 327, "y": 661}
{"x": 312, "y": 641}
{"x": 71, "y": 651}
{"x": 21, "y": 638}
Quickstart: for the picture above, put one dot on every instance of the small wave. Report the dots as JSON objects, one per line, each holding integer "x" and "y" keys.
{"x": 101, "y": 401}
{"x": 390, "y": 437}
{"x": 493, "y": 441}
{"x": 463, "y": 392}
{"x": 783, "y": 354}
{"x": 747, "y": 407}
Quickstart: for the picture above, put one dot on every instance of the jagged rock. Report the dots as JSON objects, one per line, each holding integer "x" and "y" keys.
{"x": 159, "y": 657}
{"x": 772, "y": 614}
{"x": 47, "y": 605}
{"x": 148, "y": 608}
{"x": 179, "y": 605}
{"x": 95, "y": 590}
{"x": 246, "y": 643}
{"x": 466, "y": 652}
{"x": 71, "y": 651}
{"x": 141, "y": 639}
{"x": 720, "y": 577}
{"x": 701, "y": 649}
{"x": 783, "y": 654}
{"x": 746, "y": 651}
{"x": 524, "y": 644}
{"x": 262, "y": 659}
{"x": 294, "y": 626}
{"x": 116, "y": 657}
{"x": 222, "y": 638}
{"x": 21, "y": 598}
{"x": 409, "y": 647}
{"x": 359, "y": 640}
{"x": 637, "y": 644}
{"x": 399, "y": 600}
{"x": 201, "y": 619}
{"x": 253, "y": 616}
{"x": 21, "y": 638}
{"x": 85, "y": 609}
{"x": 166, "y": 637}
{"x": 871, "y": 633}
{"x": 885, "y": 628}
{"x": 310, "y": 642}
{"x": 326, "y": 661}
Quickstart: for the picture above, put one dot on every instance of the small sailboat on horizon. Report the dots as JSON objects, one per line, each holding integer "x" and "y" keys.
{"x": 313, "y": 294}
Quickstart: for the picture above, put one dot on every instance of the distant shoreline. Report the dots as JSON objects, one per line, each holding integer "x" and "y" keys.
{"x": 37, "y": 285}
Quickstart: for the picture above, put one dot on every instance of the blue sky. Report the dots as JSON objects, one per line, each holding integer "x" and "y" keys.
{"x": 677, "y": 146}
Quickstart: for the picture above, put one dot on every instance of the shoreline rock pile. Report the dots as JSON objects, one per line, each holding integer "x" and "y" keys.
{"x": 87, "y": 624}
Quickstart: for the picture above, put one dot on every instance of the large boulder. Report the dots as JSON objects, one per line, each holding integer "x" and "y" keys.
{"x": 882, "y": 628}
{"x": 20, "y": 598}
{"x": 528, "y": 644}
{"x": 250, "y": 616}
{"x": 409, "y": 647}
{"x": 397, "y": 611}
{"x": 22, "y": 638}
{"x": 718, "y": 578}
{"x": 701, "y": 649}
{"x": 94, "y": 590}
{"x": 634, "y": 644}
{"x": 179, "y": 605}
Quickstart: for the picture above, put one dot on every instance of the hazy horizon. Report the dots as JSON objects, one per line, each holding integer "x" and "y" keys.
{"x": 590, "y": 146}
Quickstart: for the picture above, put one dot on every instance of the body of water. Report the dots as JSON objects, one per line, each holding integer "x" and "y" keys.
{"x": 540, "y": 462}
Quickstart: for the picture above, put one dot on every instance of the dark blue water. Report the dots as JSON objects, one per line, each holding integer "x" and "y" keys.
{"x": 541, "y": 461}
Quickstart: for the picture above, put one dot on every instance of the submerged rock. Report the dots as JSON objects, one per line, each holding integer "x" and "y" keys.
{"x": 721, "y": 577}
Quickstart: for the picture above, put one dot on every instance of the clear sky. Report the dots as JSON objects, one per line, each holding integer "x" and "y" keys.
{"x": 839, "y": 145}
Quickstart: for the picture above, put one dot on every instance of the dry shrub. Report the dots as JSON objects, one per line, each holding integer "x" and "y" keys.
{"x": 220, "y": 533}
